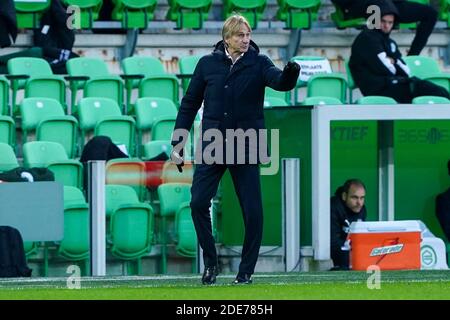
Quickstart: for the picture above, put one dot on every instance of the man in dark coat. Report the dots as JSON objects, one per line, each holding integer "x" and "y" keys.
{"x": 443, "y": 209}
{"x": 231, "y": 82}
{"x": 8, "y": 23}
{"x": 377, "y": 66}
{"x": 347, "y": 206}
{"x": 407, "y": 12}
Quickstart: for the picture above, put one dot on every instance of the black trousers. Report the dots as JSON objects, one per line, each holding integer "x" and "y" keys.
{"x": 248, "y": 189}
{"x": 409, "y": 12}
{"x": 405, "y": 92}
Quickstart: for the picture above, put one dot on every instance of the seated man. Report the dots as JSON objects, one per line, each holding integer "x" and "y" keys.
{"x": 443, "y": 209}
{"x": 407, "y": 11}
{"x": 347, "y": 206}
{"x": 378, "y": 69}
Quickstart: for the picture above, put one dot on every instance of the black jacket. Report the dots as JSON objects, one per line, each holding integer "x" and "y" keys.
{"x": 340, "y": 219}
{"x": 371, "y": 75}
{"x": 443, "y": 212}
{"x": 358, "y": 8}
{"x": 233, "y": 97}
{"x": 8, "y": 23}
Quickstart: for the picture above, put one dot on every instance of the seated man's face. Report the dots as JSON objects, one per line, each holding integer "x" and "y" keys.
{"x": 354, "y": 199}
{"x": 387, "y": 23}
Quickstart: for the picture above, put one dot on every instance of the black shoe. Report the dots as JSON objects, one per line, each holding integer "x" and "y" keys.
{"x": 209, "y": 275}
{"x": 243, "y": 279}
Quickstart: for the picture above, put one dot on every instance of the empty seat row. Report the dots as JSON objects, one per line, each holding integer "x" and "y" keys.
{"x": 186, "y": 14}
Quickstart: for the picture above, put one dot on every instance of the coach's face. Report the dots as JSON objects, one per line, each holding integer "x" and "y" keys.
{"x": 240, "y": 41}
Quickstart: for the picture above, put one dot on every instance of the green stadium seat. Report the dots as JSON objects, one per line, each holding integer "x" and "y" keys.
{"x": 444, "y": 11}
{"x": 155, "y": 82}
{"x": 40, "y": 82}
{"x": 29, "y": 13}
{"x": 52, "y": 155}
{"x": 303, "y": 61}
{"x": 75, "y": 244}
{"x": 187, "y": 66}
{"x": 89, "y": 12}
{"x": 155, "y": 148}
{"x": 185, "y": 234}
{"x": 318, "y": 100}
{"x": 131, "y": 225}
{"x": 171, "y": 196}
{"x": 428, "y": 68}
{"x": 147, "y": 111}
{"x": 252, "y": 10}
{"x": 376, "y": 100}
{"x": 8, "y": 159}
{"x": 7, "y": 131}
{"x": 134, "y": 13}
{"x": 102, "y": 116}
{"x": 298, "y": 14}
{"x": 270, "y": 102}
{"x": 430, "y": 100}
{"x": 350, "y": 82}
{"x": 127, "y": 171}
{"x": 4, "y": 97}
{"x": 328, "y": 85}
{"x": 163, "y": 127}
{"x": 189, "y": 14}
{"x": 271, "y": 93}
{"x": 100, "y": 82}
{"x": 46, "y": 119}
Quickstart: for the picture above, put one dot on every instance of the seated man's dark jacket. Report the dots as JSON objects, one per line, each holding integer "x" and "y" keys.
{"x": 358, "y": 8}
{"x": 339, "y": 213}
{"x": 443, "y": 212}
{"x": 368, "y": 70}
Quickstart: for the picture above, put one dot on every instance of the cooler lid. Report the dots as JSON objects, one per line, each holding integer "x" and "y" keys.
{"x": 385, "y": 226}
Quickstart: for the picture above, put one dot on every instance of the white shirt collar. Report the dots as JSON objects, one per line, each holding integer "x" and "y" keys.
{"x": 229, "y": 56}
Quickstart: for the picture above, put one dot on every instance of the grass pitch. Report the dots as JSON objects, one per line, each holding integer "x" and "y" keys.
{"x": 394, "y": 285}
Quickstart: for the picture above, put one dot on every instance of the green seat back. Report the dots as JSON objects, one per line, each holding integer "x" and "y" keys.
{"x": 444, "y": 9}
{"x": 155, "y": 148}
{"x": 89, "y": 12}
{"x": 149, "y": 109}
{"x": 421, "y": 66}
{"x": 188, "y": 13}
{"x": 120, "y": 129}
{"x": 63, "y": 130}
{"x": 33, "y": 67}
{"x": 29, "y": 13}
{"x": 430, "y": 100}
{"x": 185, "y": 234}
{"x": 146, "y": 66}
{"x": 252, "y": 10}
{"x": 134, "y": 13}
{"x": 117, "y": 195}
{"x": 298, "y": 13}
{"x": 7, "y": 130}
{"x": 8, "y": 158}
{"x": 171, "y": 196}
{"x": 318, "y": 100}
{"x": 270, "y": 102}
{"x": 53, "y": 156}
{"x": 376, "y": 100}
{"x": 34, "y": 110}
{"x": 75, "y": 244}
{"x": 187, "y": 66}
{"x": 328, "y": 85}
{"x": 92, "y": 110}
{"x": 269, "y": 92}
{"x": 163, "y": 128}
{"x": 160, "y": 86}
{"x": 4, "y": 96}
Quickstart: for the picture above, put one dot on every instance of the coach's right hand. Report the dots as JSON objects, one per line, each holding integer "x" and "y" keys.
{"x": 177, "y": 158}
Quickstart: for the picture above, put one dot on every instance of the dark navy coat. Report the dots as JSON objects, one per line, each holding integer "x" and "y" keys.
{"x": 233, "y": 96}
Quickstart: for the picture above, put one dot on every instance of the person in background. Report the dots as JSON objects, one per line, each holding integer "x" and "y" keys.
{"x": 407, "y": 12}
{"x": 347, "y": 205}
{"x": 378, "y": 69}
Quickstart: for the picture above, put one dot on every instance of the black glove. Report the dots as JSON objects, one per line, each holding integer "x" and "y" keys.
{"x": 292, "y": 67}
{"x": 178, "y": 159}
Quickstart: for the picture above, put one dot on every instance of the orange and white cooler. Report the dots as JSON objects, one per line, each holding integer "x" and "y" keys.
{"x": 390, "y": 245}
